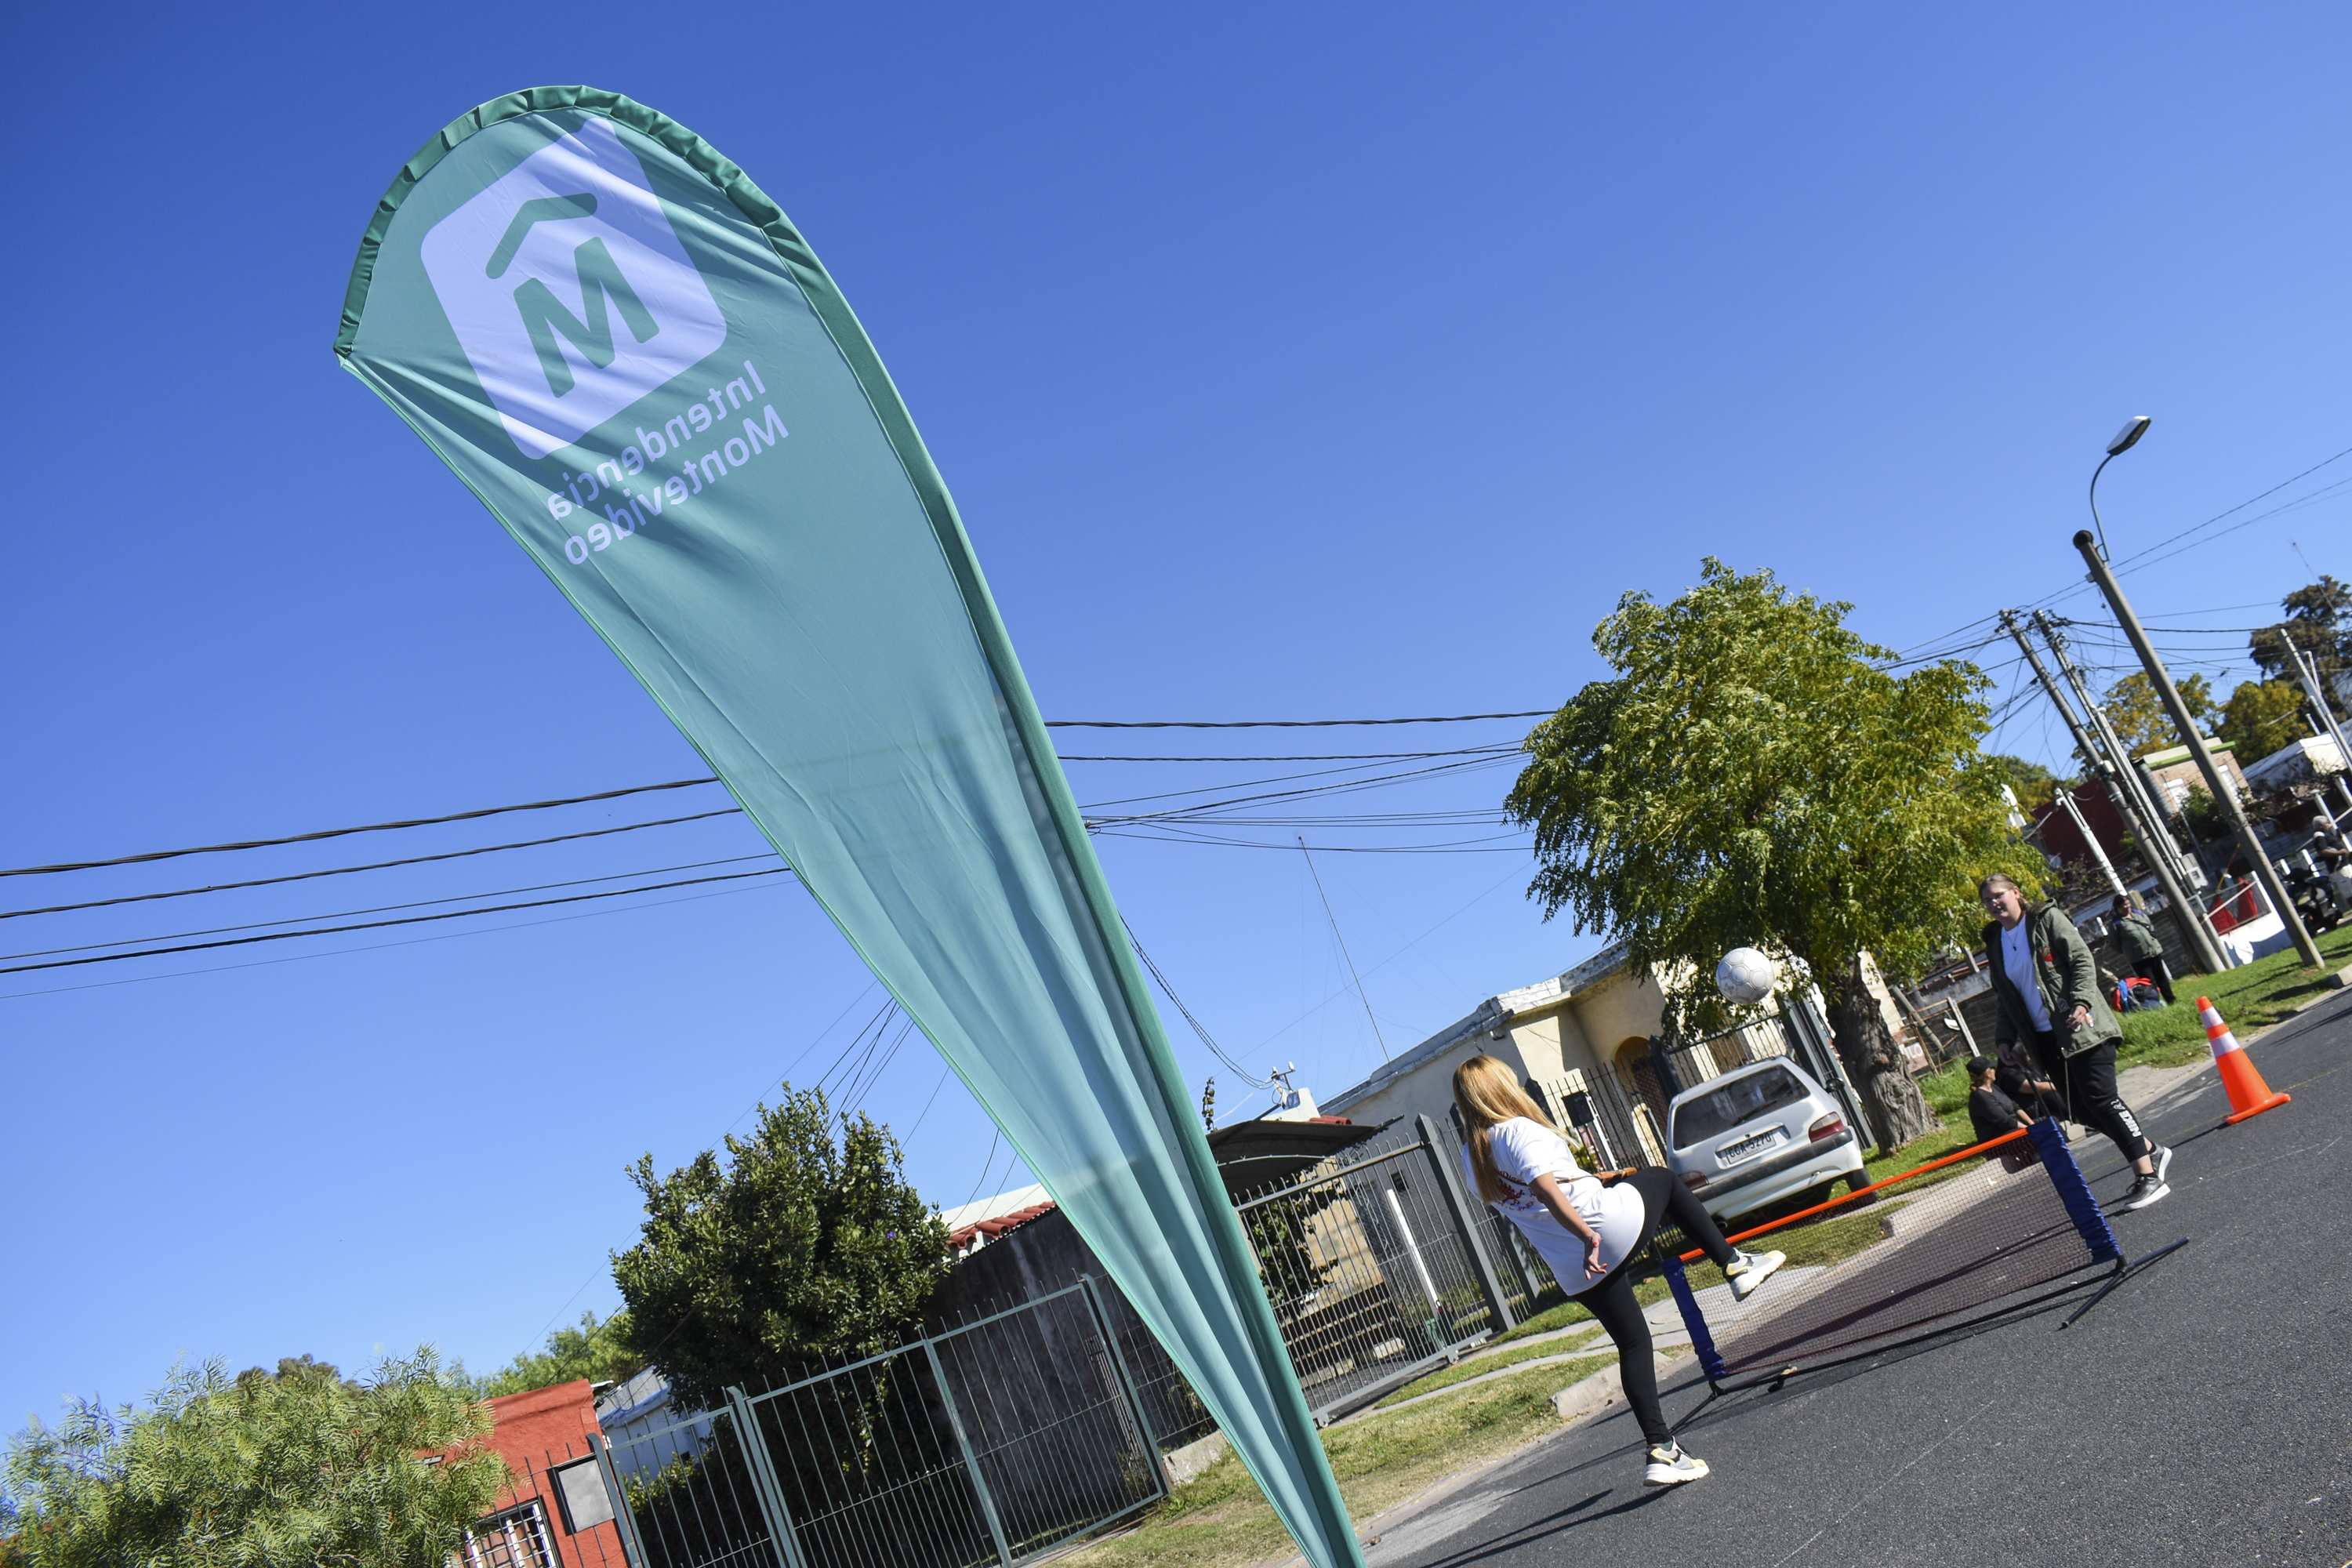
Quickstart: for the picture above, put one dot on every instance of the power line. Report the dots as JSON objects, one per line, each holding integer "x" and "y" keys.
{"x": 376, "y": 946}
{"x": 1215, "y": 1049}
{"x": 340, "y": 832}
{"x": 1275, "y": 723}
{"x": 1307, "y": 757}
{"x": 385, "y": 908}
{"x": 378, "y": 866}
{"x": 689, "y": 784}
{"x": 1342, "y": 940}
{"x": 403, "y": 921}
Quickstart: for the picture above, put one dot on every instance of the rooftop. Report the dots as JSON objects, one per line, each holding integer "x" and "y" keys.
{"x": 1491, "y": 1014}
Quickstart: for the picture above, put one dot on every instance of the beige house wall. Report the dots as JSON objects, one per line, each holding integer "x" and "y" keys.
{"x": 1572, "y": 1022}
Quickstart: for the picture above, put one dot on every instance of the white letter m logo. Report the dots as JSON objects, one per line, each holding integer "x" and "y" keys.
{"x": 537, "y": 270}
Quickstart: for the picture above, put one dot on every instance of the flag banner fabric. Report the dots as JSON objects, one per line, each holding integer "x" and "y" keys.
{"x": 632, "y": 358}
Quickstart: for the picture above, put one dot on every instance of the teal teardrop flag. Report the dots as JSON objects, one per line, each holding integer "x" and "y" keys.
{"x": 631, "y": 356}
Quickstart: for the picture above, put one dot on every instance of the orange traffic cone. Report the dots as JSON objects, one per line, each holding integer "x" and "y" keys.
{"x": 2249, "y": 1094}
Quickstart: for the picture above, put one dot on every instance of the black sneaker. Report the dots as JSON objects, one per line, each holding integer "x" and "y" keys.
{"x": 2149, "y": 1189}
{"x": 2163, "y": 1162}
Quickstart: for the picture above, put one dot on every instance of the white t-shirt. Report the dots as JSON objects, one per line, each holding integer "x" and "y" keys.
{"x": 1525, "y": 1150}
{"x": 2017, "y": 960}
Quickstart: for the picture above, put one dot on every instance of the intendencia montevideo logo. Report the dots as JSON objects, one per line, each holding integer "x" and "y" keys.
{"x": 573, "y": 299}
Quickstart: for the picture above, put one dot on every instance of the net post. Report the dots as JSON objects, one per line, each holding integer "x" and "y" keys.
{"x": 1709, "y": 1361}
{"x": 2082, "y": 1206}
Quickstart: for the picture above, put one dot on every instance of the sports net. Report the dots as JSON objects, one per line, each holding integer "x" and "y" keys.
{"x": 1898, "y": 1260}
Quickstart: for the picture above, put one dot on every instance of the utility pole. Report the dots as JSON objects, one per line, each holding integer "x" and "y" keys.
{"x": 2098, "y": 850}
{"x": 2087, "y": 544}
{"x": 2124, "y": 787}
{"x": 2202, "y": 940}
{"x": 2306, "y": 672}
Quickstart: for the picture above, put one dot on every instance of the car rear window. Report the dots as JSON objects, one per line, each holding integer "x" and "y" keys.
{"x": 1741, "y": 1099}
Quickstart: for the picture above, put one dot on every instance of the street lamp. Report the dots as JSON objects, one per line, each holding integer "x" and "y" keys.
{"x": 2123, "y": 443}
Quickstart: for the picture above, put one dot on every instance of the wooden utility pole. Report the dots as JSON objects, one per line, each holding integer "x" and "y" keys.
{"x": 2225, "y": 793}
{"x": 2201, "y": 937}
{"x": 2155, "y": 839}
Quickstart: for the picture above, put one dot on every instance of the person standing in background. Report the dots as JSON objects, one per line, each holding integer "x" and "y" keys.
{"x": 2136, "y": 936}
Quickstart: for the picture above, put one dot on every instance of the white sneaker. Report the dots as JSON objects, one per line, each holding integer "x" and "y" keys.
{"x": 1751, "y": 1269}
{"x": 1670, "y": 1467}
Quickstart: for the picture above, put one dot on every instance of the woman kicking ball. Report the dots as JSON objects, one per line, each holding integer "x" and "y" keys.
{"x": 1587, "y": 1233}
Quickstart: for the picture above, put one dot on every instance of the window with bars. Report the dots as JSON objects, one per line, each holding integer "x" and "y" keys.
{"x": 518, "y": 1538}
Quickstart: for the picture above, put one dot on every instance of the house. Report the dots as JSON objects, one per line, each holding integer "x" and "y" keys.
{"x": 641, "y": 1419}
{"x": 2311, "y": 761}
{"x": 556, "y": 1512}
{"x": 1582, "y": 1042}
{"x": 2177, "y": 772}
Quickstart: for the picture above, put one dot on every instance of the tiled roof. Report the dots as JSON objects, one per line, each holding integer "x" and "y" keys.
{"x": 969, "y": 1236}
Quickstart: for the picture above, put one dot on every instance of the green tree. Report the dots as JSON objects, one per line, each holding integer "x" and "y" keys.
{"x": 597, "y": 1350}
{"x": 2137, "y": 713}
{"x": 1751, "y": 778}
{"x": 796, "y": 1247}
{"x": 293, "y": 1467}
{"x": 2318, "y": 621}
{"x": 2262, "y": 716}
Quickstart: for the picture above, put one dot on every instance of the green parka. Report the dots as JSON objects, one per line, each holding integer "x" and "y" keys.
{"x": 2136, "y": 936}
{"x": 2069, "y": 978}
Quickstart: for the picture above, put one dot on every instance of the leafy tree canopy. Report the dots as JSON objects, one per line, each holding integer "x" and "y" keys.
{"x": 1751, "y": 776}
{"x": 2318, "y": 621}
{"x": 798, "y": 1245}
{"x": 2137, "y": 713}
{"x": 2262, "y": 716}
{"x": 296, "y": 1467}
{"x": 599, "y": 1351}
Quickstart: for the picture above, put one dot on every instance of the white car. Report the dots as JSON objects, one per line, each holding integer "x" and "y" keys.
{"x": 1757, "y": 1134}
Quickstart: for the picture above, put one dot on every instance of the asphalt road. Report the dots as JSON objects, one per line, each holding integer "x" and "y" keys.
{"x": 2202, "y": 1414}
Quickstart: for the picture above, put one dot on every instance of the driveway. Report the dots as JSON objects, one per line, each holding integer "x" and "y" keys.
{"x": 2202, "y": 1414}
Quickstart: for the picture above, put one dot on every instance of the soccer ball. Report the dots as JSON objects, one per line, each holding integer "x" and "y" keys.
{"x": 1745, "y": 976}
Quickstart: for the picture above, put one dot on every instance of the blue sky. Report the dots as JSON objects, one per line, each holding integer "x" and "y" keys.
{"x": 1297, "y": 363}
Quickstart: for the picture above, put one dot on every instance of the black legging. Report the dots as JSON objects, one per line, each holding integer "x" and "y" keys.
{"x": 2154, "y": 969}
{"x": 2088, "y": 1079}
{"x": 1611, "y": 1302}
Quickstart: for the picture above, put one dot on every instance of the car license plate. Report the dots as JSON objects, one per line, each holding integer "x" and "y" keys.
{"x": 1732, "y": 1154}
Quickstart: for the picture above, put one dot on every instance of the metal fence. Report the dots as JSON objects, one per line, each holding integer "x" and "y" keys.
{"x": 988, "y": 1443}
{"x": 1383, "y": 1266}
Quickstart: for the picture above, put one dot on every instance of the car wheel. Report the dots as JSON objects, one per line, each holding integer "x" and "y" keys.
{"x": 1856, "y": 1182}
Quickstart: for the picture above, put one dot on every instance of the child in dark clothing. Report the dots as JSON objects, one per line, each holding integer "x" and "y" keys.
{"x": 2023, "y": 1084}
{"x": 1991, "y": 1111}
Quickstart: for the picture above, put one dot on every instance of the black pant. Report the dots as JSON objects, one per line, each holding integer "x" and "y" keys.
{"x": 2088, "y": 1079}
{"x": 2153, "y": 969}
{"x": 1610, "y": 1301}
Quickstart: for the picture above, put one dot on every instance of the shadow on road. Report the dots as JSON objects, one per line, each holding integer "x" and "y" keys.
{"x": 1555, "y": 1523}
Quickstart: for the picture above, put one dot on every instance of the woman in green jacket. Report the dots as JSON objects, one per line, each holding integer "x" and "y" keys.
{"x": 2138, "y": 938}
{"x": 2048, "y": 987}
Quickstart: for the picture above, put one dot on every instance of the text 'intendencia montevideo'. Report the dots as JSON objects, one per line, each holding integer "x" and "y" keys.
{"x": 611, "y": 484}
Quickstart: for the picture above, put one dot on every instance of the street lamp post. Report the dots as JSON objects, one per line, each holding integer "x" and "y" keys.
{"x": 2094, "y": 550}
{"x": 2125, "y": 440}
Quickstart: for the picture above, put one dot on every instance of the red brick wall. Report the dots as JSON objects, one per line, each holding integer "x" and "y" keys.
{"x": 542, "y": 1429}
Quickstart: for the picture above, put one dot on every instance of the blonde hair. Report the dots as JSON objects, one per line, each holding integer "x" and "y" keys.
{"x": 1998, "y": 879}
{"x": 1486, "y": 1093}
